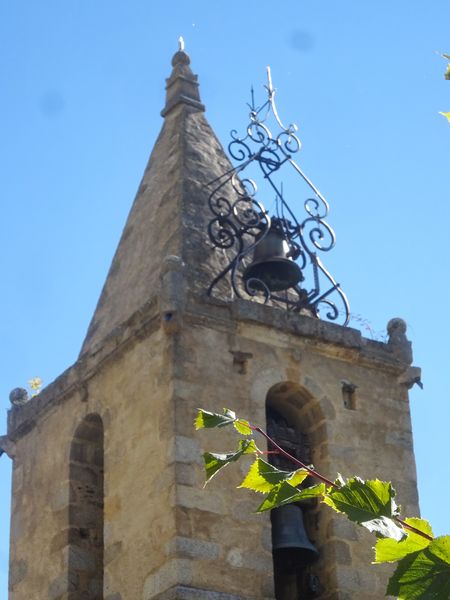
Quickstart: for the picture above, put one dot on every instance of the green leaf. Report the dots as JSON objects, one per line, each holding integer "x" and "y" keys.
{"x": 283, "y": 493}
{"x": 206, "y": 419}
{"x": 311, "y": 492}
{"x": 447, "y": 73}
{"x": 389, "y": 550}
{"x": 446, "y": 56}
{"x": 446, "y": 115}
{"x": 242, "y": 427}
{"x": 249, "y": 447}
{"x": 298, "y": 477}
{"x": 423, "y": 575}
{"x": 262, "y": 477}
{"x": 369, "y": 503}
{"x": 214, "y": 461}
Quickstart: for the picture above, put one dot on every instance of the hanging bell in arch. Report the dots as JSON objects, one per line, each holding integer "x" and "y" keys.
{"x": 271, "y": 264}
{"x": 292, "y": 549}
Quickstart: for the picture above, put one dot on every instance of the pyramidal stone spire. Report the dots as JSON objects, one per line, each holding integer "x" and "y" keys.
{"x": 167, "y": 224}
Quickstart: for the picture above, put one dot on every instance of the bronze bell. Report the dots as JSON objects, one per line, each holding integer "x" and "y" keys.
{"x": 271, "y": 264}
{"x": 292, "y": 548}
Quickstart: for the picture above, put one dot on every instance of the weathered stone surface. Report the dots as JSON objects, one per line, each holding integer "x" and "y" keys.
{"x": 173, "y": 572}
{"x": 112, "y": 552}
{"x": 61, "y": 585}
{"x": 187, "y": 475}
{"x": 17, "y": 571}
{"x": 192, "y": 548}
{"x": 182, "y": 592}
{"x": 187, "y": 450}
{"x": 398, "y": 342}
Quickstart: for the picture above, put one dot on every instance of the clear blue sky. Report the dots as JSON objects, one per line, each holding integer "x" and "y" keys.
{"x": 82, "y": 84}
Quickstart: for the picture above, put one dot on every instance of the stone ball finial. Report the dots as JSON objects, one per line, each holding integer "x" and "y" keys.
{"x": 398, "y": 342}
{"x": 181, "y": 57}
{"x": 396, "y": 326}
{"x": 18, "y": 396}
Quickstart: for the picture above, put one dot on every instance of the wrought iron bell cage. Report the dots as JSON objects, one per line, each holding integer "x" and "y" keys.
{"x": 273, "y": 258}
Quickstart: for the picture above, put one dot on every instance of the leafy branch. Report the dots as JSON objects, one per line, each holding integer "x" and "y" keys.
{"x": 423, "y": 561}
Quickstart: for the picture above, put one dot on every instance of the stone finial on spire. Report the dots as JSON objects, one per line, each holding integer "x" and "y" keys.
{"x": 182, "y": 85}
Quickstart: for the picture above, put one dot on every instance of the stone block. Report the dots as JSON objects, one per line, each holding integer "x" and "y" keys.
{"x": 343, "y": 529}
{"x": 348, "y": 579}
{"x": 255, "y": 561}
{"x": 186, "y": 474}
{"x": 195, "y": 498}
{"x": 187, "y": 450}
{"x": 193, "y": 548}
{"x": 340, "y": 551}
{"x": 173, "y": 572}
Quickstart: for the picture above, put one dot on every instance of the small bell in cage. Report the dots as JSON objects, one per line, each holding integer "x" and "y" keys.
{"x": 272, "y": 266}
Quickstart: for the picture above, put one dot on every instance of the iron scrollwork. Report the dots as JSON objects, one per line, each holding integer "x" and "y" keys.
{"x": 240, "y": 222}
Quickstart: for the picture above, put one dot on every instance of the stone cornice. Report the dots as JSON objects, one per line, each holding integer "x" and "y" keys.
{"x": 325, "y": 338}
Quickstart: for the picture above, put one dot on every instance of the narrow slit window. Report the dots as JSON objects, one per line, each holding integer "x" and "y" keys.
{"x": 349, "y": 395}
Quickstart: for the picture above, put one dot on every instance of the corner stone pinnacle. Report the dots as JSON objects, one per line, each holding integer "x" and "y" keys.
{"x": 182, "y": 85}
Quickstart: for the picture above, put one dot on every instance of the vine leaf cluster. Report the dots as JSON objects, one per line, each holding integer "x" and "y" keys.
{"x": 422, "y": 561}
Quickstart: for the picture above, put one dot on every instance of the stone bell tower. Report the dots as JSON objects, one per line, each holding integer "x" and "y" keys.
{"x": 108, "y": 498}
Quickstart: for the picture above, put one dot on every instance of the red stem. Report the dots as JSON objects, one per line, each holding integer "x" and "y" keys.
{"x": 317, "y": 475}
{"x": 312, "y": 472}
{"x": 411, "y": 528}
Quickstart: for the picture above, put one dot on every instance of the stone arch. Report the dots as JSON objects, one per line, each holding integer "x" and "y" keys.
{"x": 303, "y": 399}
{"x": 86, "y": 501}
{"x": 295, "y": 419}
{"x": 305, "y": 412}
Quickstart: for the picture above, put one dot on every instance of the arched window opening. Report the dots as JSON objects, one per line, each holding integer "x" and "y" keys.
{"x": 85, "y": 558}
{"x": 292, "y": 549}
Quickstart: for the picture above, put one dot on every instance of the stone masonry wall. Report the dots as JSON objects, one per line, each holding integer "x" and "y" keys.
{"x": 236, "y": 364}
{"x": 165, "y": 536}
{"x": 131, "y": 394}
